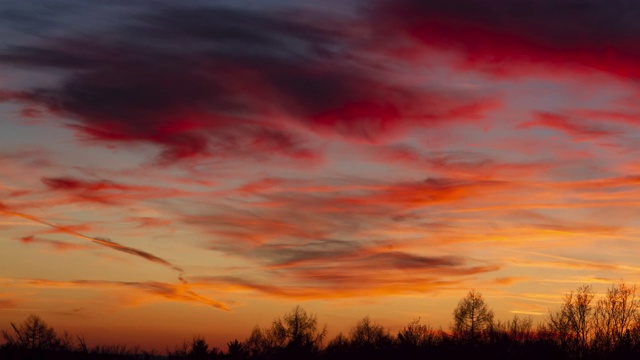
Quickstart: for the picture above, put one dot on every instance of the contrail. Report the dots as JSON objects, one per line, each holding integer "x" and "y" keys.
{"x": 176, "y": 292}
{"x": 104, "y": 242}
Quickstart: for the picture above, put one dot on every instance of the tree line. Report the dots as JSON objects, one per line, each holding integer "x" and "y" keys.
{"x": 580, "y": 328}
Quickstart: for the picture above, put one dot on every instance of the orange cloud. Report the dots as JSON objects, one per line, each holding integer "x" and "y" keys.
{"x": 178, "y": 292}
{"x": 56, "y": 244}
{"x": 104, "y": 242}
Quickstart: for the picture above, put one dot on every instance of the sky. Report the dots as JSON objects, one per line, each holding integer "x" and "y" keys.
{"x": 170, "y": 169}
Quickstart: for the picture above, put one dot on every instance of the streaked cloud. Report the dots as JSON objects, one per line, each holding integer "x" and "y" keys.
{"x": 96, "y": 240}
{"x": 178, "y": 292}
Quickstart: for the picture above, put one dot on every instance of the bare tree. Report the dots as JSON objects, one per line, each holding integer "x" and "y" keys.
{"x": 573, "y": 322}
{"x": 32, "y": 334}
{"x": 296, "y": 334}
{"x": 615, "y": 315}
{"x": 338, "y": 347}
{"x": 299, "y": 330}
{"x": 415, "y": 334}
{"x": 520, "y": 327}
{"x": 261, "y": 343}
{"x": 368, "y": 334}
{"x": 472, "y": 316}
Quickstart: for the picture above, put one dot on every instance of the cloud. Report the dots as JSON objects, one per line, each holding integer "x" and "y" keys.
{"x": 355, "y": 254}
{"x": 107, "y": 192}
{"x": 459, "y": 164}
{"x": 8, "y": 304}
{"x": 341, "y": 269}
{"x": 353, "y": 239}
{"x": 338, "y": 284}
{"x": 580, "y": 129}
{"x": 4, "y": 210}
{"x": 178, "y": 292}
{"x": 581, "y": 35}
{"x": 241, "y": 83}
{"x": 56, "y": 244}
{"x": 564, "y": 262}
{"x": 358, "y": 209}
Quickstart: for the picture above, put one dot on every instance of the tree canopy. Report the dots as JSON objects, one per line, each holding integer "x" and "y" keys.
{"x": 472, "y": 316}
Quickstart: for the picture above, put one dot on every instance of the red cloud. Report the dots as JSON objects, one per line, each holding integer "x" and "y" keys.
{"x": 107, "y": 192}
{"x": 495, "y": 35}
{"x": 244, "y": 83}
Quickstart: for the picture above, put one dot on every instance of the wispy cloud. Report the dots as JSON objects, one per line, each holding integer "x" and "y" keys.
{"x": 179, "y": 292}
{"x": 107, "y": 192}
{"x": 8, "y": 304}
{"x": 96, "y": 240}
{"x": 56, "y": 244}
{"x": 577, "y": 128}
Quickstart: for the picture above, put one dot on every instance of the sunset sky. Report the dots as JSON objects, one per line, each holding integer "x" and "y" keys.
{"x": 173, "y": 168}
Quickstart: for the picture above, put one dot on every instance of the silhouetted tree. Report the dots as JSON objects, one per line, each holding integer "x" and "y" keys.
{"x": 32, "y": 334}
{"x": 576, "y": 330}
{"x": 261, "y": 344}
{"x": 297, "y": 332}
{"x": 519, "y": 328}
{"x": 199, "y": 349}
{"x": 294, "y": 335}
{"x": 415, "y": 340}
{"x": 416, "y": 335}
{"x": 180, "y": 352}
{"x": 573, "y": 322}
{"x": 338, "y": 348}
{"x": 368, "y": 333}
{"x": 615, "y": 316}
{"x": 370, "y": 340}
{"x": 236, "y": 350}
{"x": 472, "y": 316}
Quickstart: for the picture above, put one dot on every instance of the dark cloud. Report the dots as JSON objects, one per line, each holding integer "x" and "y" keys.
{"x": 376, "y": 255}
{"x": 64, "y": 183}
{"x": 210, "y": 81}
{"x": 291, "y": 255}
{"x": 406, "y": 261}
{"x": 350, "y": 268}
{"x": 576, "y": 34}
{"x": 354, "y": 279}
{"x": 106, "y": 191}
